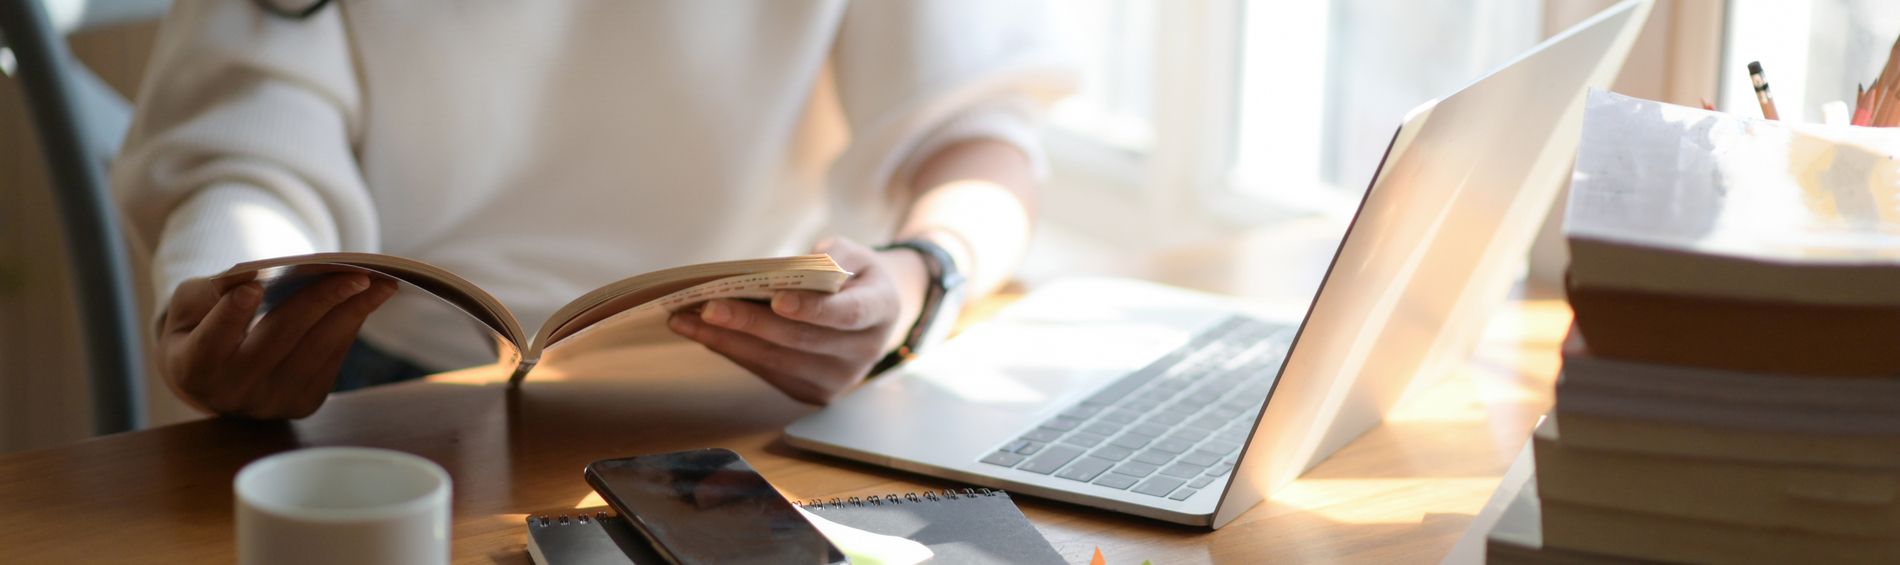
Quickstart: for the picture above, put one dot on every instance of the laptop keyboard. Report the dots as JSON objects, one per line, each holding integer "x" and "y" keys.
{"x": 1168, "y": 429}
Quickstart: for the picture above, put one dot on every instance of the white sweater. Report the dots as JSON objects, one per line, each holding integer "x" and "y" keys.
{"x": 544, "y": 148}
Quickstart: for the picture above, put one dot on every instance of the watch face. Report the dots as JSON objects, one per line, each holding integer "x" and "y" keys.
{"x": 944, "y": 316}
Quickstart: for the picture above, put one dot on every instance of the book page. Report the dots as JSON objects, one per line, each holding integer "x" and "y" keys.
{"x": 626, "y": 293}
{"x": 1684, "y": 179}
{"x": 653, "y": 312}
{"x": 283, "y": 276}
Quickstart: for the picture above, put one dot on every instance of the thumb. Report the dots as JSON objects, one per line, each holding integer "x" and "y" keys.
{"x": 850, "y": 255}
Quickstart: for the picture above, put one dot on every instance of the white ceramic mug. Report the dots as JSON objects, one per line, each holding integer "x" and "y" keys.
{"x": 342, "y": 505}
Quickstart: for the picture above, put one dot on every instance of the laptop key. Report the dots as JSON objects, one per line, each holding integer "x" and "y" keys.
{"x": 1103, "y": 428}
{"x": 1112, "y": 453}
{"x": 1084, "y": 439}
{"x": 1220, "y": 469}
{"x": 1170, "y": 385}
{"x": 1183, "y": 493}
{"x": 1158, "y": 486}
{"x": 1189, "y": 435}
{"x": 1114, "y": 481}
{"x": 1119, "y": 416}
{"x": 1182, "y": 408}
{"x": 1153, "y": 457}
{"x": 1182, "y": 471}
{"x": 1221, "y": 447}
{"x": 1061, "y": 423}
{"x": 1141, "y": 405}
{"x": 1135, "y": 469}
{"x": 1157, "y": 396}
{"x": 1173, "y": 445}
{"x": 1003, "y": 458}
{"x": 1051, "y": 459}
{"x": 1081, "y": 412}
{"x": 1200, "y": 458}
{"x": 1168, "y": 418}
{"x": 1042, "y": 434}
{"x": 1031, "y": 447}
{"x": 1085, "y": 469}
{"x": 1200, "y": 481}
{"x": 1150, "y": 430}
{"x": 1131, "y": 441}
{"x": 1015, "y": 445}
{"x": 1209, "y": 422}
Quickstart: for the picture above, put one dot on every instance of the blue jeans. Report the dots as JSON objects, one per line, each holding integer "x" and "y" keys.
{"x": 366, "y": 366}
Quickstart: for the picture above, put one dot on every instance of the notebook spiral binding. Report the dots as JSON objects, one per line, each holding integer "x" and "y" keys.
{"x": 544, "y": 520}
{"x": 909, "y": 497}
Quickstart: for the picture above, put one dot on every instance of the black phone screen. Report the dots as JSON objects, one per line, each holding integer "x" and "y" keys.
{"x": 709, "y": 506}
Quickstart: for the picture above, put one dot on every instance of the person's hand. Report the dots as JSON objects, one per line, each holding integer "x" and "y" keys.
{"x": 284, "y": 366}
{"x": 811, "y": 345}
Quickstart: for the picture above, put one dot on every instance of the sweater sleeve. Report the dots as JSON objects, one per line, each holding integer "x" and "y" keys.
{"x": 242, "y": 144}
{"x": 916, "y": 75}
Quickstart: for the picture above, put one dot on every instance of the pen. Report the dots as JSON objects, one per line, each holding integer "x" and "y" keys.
{"x": 1762, "y": 95}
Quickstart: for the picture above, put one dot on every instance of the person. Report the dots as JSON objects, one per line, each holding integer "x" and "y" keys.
{"x": 541, "y": 149}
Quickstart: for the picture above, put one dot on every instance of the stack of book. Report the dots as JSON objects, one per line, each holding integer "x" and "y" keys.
{"x": 1731, "y": 385}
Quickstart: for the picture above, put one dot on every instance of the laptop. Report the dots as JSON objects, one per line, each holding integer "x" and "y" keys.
{"x": 1191, "y": 408}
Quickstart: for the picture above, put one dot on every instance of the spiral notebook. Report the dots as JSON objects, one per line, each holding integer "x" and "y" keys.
{"x": 968, "y": 526}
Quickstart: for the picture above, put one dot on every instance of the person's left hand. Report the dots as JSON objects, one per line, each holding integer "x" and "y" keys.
{"x": 810, "y": 345}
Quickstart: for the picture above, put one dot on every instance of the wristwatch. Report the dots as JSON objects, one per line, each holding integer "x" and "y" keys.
{"x": 943, "y": 300}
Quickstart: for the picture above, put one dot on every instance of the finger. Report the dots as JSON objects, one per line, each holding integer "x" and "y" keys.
{"x": 760, "y": 322}
{"x": 850, "y": 255}
{"x": 217, "y": 338}
{"x": 226, "y": 283}
{"x": 189, "y": 302}
{"x": 195, "y": 357}
{"x": 284, "y": 326}
{"x": 806, "y": 377}
{"x": 319, "y": 355}
{"x": 855, "y": 308}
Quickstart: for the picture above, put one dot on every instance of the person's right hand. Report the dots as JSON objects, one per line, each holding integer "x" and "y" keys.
{"x": 284, "y": 366}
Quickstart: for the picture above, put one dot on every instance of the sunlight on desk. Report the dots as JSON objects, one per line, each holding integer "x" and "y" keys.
{"x": 1373, "y": 501}
{"x": 592, "y": 500}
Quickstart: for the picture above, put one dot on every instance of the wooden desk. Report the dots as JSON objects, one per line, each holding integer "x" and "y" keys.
{"x": 1402, "y": 493}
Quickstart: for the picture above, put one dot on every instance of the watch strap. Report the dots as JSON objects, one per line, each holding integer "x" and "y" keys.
{"x": 941, "y": 270}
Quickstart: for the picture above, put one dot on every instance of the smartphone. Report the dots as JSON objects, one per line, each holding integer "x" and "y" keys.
{"x": 708, "y": 506}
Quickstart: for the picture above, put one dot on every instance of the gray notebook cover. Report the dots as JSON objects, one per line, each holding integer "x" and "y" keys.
{"x": 970, "y": 526}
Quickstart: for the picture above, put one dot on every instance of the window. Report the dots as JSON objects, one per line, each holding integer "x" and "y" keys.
{"x": 1196, "y": 116}
{"x": 1812, "y": 52}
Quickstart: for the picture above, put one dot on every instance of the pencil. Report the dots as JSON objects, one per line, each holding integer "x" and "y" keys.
{"x": 1762, "y": 95}
{"x": 1874, "y": 99}
{"x": 1863, "y": 113}
{"x": 1887, "y": 113}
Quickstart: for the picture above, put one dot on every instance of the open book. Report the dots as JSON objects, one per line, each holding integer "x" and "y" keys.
{"x": 644, "y": 298}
